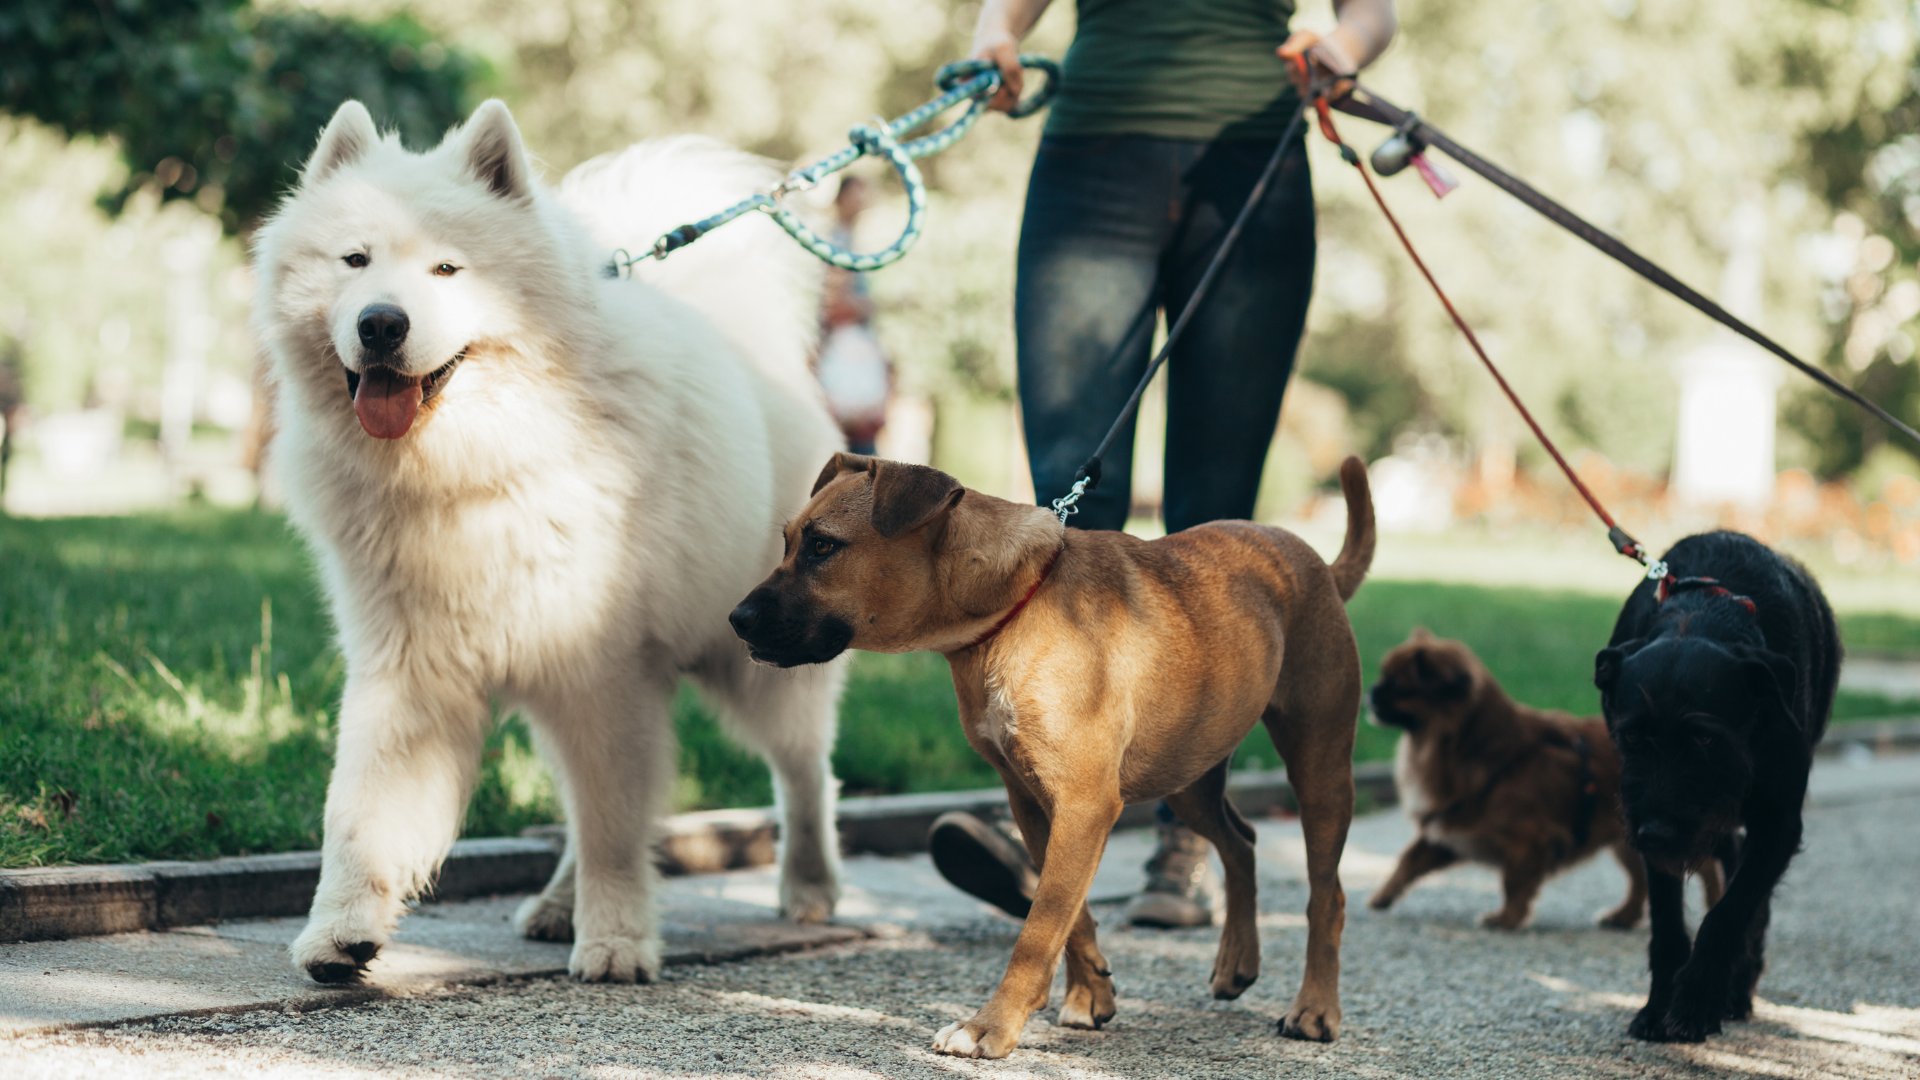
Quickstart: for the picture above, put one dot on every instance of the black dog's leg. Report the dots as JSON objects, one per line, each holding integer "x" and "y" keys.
{"x": 1748, "y": 965}
{"x": 1667, "y": 953}
{"x": 1702, "y": 991}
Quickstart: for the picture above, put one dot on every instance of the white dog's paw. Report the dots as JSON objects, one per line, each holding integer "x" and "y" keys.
{"x": 329, "y": 956}
{"x": 615, "y": 959}
{"x": 808, "y": 901}
{"x": 544, "y": 919}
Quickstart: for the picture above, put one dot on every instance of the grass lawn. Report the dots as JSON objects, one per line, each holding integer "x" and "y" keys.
{"x": 166, "y": 684}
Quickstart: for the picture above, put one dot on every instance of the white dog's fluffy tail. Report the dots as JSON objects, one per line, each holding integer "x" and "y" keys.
{"x": 757, "y": 286}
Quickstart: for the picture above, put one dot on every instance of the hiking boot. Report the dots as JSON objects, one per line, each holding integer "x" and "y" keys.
{"x": 1181, "y": 889}
{"x": 983, "y": 860}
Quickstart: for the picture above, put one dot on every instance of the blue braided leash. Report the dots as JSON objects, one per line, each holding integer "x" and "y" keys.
{"x": 972, "y": 81}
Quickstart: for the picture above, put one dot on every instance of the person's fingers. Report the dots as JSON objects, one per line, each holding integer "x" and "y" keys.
{"x": 1006, "y": 57}
{"x": 1298, "y": 43}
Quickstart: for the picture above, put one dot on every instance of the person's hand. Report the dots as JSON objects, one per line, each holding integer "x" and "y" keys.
{"x": 1003, "y": 52}
{"x": 1325, "y": 60}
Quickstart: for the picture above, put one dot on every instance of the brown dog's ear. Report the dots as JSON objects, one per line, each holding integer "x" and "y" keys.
{"x": 1420, "y": 633}
{"x": 905, "y": 497}
{"x": 839, "y": 465}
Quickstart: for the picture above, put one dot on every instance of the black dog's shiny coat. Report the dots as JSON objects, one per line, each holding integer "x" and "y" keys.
{"x": 1716, "y": 705}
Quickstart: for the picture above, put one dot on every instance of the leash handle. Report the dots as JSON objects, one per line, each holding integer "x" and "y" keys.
{"x": 972, "y": 81}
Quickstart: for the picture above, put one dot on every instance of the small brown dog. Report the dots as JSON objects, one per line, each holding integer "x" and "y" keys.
{"x": 1493, "y": 781}
{"x": 1095, "y": 669}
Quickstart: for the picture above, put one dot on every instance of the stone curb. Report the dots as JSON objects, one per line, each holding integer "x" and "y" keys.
{"x": 78, "y": 901}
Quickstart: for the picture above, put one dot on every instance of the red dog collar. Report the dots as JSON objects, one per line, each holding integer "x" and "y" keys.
{"x": 1016, "y": 609}
{"x": 1711, "y": 586}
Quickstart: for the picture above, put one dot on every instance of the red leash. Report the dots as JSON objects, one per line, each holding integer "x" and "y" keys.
{"x": 1622, "y": 542}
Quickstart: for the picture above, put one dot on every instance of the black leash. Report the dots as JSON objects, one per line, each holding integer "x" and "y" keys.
{"x": 1088, "y": 477}
{"x": 1410, "y": 127}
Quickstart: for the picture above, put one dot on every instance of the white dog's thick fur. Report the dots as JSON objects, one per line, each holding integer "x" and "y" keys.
{"x": 563, "y": 528}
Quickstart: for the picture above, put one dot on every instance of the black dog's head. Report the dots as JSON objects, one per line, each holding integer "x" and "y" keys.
{"x": 1685, "y": 712}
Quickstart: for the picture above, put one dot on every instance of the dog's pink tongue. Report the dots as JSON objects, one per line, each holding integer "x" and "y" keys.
{"x": 386, "y": 402}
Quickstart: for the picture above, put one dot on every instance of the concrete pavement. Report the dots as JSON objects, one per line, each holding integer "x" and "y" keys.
{"x": 1426, "y": 992}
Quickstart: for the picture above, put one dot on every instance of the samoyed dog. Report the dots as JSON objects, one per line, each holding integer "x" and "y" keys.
{"x": 528, "y": 481}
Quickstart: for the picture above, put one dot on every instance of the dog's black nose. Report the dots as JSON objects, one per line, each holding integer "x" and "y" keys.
{"x": 1656, "y": 836}
{"x": 744, "y": 615}
{"x": 382, "y": 326}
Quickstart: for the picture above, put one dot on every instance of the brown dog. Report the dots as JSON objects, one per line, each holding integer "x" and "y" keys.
{"x": 1095, "y": 669}
{"x": 1493, "y": 781}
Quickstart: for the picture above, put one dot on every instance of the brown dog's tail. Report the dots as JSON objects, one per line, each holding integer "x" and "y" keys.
{"x": 1356, "y": 554}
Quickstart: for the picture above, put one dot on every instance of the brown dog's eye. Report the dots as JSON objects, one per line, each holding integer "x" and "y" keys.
{"x": 356, "y": 260}
{"x": 820, "y": 549}
{"x": 445, "y": 269}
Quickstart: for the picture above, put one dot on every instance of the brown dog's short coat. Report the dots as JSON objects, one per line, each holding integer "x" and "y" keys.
{"x": 1489, "y": 780}
{"x": 1094, "y": 669}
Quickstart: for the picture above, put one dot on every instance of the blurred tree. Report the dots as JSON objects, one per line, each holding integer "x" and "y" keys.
{"x": 1867, "y": 167}
{"x": 217, "y": 101}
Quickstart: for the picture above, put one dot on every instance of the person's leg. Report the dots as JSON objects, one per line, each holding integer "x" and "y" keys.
{"x": 1230, "y": 369}
{"x": 1097, "y": 219}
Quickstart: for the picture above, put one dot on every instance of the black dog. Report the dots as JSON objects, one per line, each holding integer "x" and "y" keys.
{"x": 1716, "y": 686}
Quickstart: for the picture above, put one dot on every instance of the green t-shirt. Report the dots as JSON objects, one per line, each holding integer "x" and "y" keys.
{"x": 1179, "y": 69}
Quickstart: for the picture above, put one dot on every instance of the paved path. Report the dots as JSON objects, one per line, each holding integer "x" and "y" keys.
{"x": 1427, "y": 993}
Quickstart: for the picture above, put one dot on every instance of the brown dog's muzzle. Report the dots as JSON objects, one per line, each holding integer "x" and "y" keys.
{"x": 779, "y": 631}
{"x": 1381, "y": 700}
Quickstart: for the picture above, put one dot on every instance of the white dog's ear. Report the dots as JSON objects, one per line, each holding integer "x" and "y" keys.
{"x": 348, "y": 136}
{"x": 495, "y": 153}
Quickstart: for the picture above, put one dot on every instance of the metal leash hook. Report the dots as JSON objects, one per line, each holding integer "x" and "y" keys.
{"x": 1064, "y": 506}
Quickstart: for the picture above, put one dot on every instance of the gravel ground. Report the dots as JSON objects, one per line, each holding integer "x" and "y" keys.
{"x": 1427, "y": 994}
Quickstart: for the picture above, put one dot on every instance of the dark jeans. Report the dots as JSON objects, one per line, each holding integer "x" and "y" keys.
{"x": 1118, "y": 228}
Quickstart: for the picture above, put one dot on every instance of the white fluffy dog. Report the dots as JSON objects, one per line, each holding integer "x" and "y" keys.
{"x": 530, "y": 482}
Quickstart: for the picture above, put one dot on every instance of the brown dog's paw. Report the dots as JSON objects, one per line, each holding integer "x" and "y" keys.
{"x": 1234, "y": 969}
{"x": 973, "y": 1039}
{"x": 1503, "y": 920}
{"x": 1381, "y": 901}
{"x": 1312, "y": 1023}
{"x": 1088, "y": 1005}
{"x": 1621, "y": 919}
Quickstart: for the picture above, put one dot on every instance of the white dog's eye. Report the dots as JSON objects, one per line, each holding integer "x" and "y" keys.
{"x": 356, "y": 260}
{"x": 445, "y": 269}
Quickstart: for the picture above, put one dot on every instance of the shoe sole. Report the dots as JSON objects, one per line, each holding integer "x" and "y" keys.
{"x": 981, "y": 863}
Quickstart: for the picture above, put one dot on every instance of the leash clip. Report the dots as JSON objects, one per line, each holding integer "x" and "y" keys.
{"x": 1064, "y": 505}
{"x": 1657, "y": 570}
{"x": 797, "y": 182}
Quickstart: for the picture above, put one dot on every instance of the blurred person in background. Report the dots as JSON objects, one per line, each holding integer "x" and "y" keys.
{"x": 852, "y": 368}
{"x": 1167, "y": 114}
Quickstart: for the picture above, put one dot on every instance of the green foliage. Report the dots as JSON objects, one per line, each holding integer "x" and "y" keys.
{"x": 215, "y": 100}
{"x": 1867, "y": 167}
